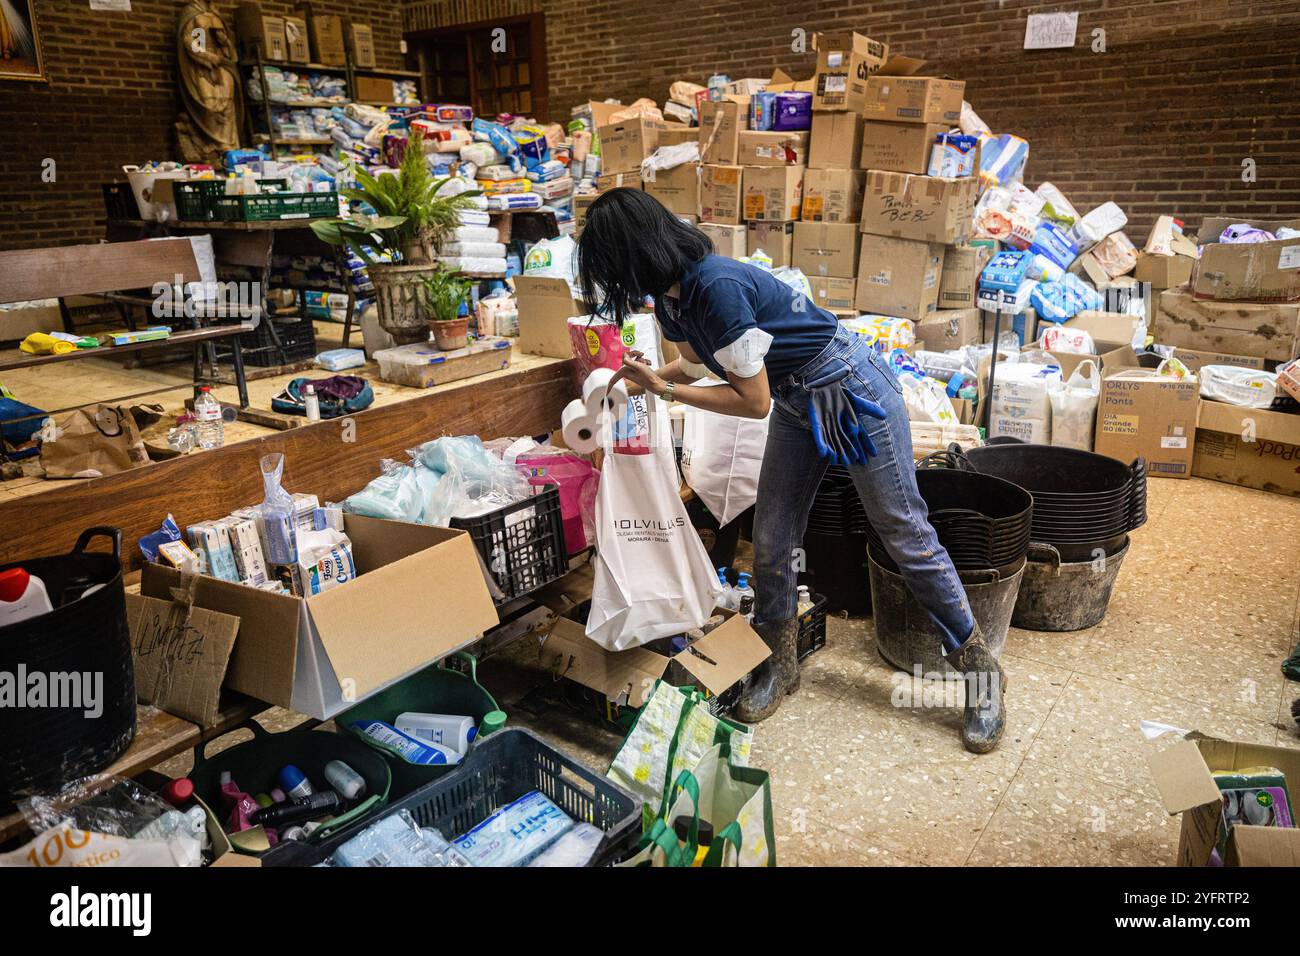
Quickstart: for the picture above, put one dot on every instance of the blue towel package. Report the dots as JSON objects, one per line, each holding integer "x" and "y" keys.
{"x": 515, "y": 834}
{"x": 1052, "y": 242}
{"x": 1059, "y": 301}
{"x": 762, "y": 111}
{"x": 1006, "y": 270}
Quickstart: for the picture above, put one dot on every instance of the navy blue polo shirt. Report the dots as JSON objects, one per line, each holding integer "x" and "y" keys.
{"x": 722, "y": 298}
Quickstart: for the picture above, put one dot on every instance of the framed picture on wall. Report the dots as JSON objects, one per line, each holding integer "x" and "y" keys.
{"x": 20, "y": 44}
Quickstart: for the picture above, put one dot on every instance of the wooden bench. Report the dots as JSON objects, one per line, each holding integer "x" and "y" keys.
{"x": 108, "y": 269}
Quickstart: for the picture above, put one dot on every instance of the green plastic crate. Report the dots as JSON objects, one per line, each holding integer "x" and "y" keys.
{"x": 194, "y": 198}
{"x": 276, "y": 206}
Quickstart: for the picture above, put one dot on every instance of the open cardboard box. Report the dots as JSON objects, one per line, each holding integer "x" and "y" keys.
{"x": 1183, "y": 776}
{"x": 545, "y": 307}
{"x": 320, "y": 654}
{"x": 1260, "y": 271}
{"x": 714, "y": 663}
{"x": 1269, "y": 460}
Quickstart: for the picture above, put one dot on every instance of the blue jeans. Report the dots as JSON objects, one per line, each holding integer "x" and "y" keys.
{"x": 792, "y": 470}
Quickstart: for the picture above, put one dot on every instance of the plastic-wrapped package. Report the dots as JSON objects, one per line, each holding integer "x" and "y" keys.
{"x": 885, "y": 332}
{"x": 1063, "y": 338}
{"x": 574, "y": 848}
{"x": 927, "y": 400}
{"x": 396, "y": 840}
{"x": 475, "y": 265}
{"x": 970, "y": 122}
{"x": 553, "y": 259}
{"x": 278, "y": 513}
{"x": 1244, "y": 232}
{"x": 473, "y": 480}
{"x": 1022, "y": 401}
{"x": 1064, "y": 299}
{"x": 669, "y": 157}
{"x": 1096, "y": 224}
{"x": 324, "y": 560}
{"x": 395, "y": 495}
{"x": 516, "y": 833}
{"x": 487, "y": 250}
{"x": 684, "y": 92}
{"x": 1055, "y": 206}
{"x": 122, "y": 824}
{"x": 1248, "y": 387}
{"x": 1002, "y": 158}
{"x": 337, "y": 360}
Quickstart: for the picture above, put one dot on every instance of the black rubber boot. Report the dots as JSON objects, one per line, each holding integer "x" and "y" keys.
{"x": 776, "y": 676}
{"x": 984, "y": 719}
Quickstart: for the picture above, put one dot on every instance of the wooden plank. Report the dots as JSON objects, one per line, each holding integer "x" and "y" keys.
{"x": 318, "y": 460}
{"x": 158, "y": 736}
{"x": 51, "y": 273}
{"x": 17, "y": 359}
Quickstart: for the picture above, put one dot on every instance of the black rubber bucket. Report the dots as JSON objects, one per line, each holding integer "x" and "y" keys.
{"x": 82, "y": 652}
{"x": 1058, "y": 594}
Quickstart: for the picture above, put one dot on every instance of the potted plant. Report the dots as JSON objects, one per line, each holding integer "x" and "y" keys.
{"x": 410, "y": 221}
{"x": 444, "y": 292}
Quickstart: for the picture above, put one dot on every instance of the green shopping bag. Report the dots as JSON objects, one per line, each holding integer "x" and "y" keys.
{"x": 673, "y": 731}
{"x": 735, "y": 801}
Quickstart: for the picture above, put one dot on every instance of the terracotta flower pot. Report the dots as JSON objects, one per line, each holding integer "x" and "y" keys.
{"x": 452, "y": 335}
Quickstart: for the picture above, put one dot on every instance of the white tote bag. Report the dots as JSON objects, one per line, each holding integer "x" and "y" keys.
{"x": 1074, "y": 407}
{"x": 721, "y": 458}
{"x": 653, "y": 576}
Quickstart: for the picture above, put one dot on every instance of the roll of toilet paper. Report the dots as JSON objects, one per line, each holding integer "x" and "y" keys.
{"x": 594, "y": 393}
{"x": 579, "y": 428}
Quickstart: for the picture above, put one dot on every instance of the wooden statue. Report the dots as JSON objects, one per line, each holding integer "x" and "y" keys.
{"x": 209, "y": 84}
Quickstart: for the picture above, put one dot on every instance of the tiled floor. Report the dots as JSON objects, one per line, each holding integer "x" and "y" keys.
{"x": 1204, "y": 611}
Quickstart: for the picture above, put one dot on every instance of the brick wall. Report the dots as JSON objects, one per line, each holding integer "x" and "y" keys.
{"x": 111, "y": 99}
{"x": 1160, "y": 122}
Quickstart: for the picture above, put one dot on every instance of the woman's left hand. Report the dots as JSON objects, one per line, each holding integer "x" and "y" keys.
{"x": 641, "y": 373}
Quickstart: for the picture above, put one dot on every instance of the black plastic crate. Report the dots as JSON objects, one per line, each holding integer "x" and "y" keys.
{"x": 297, "y": 337}
{"x": 812, "y": 627}
{"x": 504, "y": 767}
{"x": 119, "y": 202}
{"x": 522, "y": 544}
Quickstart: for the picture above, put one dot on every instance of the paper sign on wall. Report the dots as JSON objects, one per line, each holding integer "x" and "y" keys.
{"x": 116, "y": 6}
{"x": 1051, "y": 31}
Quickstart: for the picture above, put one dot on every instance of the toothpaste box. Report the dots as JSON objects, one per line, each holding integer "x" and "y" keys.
{"x": 213, "y": 541}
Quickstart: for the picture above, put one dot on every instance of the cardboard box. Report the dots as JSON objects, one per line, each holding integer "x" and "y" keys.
{"x": 898, "y": 147}
{"x": 1258, "y": 271}
{"x": 374, "y": 89}
{"x": 1163, "y": 272}
{"x": 1112, "y": 360}
{"x": 832, "y": 195}
{"x": 1109, "y": 330}
{"x": 1196, "y": 359}
{"x": 720, "y": 198}
{"x": 623, "y": 145}
{"x": 773, "y": 193}
{"x": 254, "y": 29}
{"x": 962, "y": 266}
{"x": 844, "y": 62}
{"x": 827, "y": 249}
{"x": 728, "y": 240}
{"x": 914, "y": 99}
{"x": 721, "y": 122}
{"x": 677, "y": 188}
{"x": 1183, "y": 774}
{"x": 581, "y": 203}
{"x": 1153, "y": 416}
{"x": 326, "y": 34}
{"x": 836, "y": 140}
{"x": 1253, "y": 447}
{"x": 949, "y": 329}
{"x": 834, "y": 294}
{"x": 899, "y": 277}
{"x": 627, "y": 180}
{"x": 774, "y": 238}
{"x": 772, "y": 148}
{"x": 1262, "y": 330}
{"x": 296, "y": 40}
{"x": 714, "y": 663}
{"x": 674, "y": 134}
{"x": 924, "y": 208}
{"x": 320, "y": 654}
{"x": 361, "y": 41}
{"x": 545, "y": 307}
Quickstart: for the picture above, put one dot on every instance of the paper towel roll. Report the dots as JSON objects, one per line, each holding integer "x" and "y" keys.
{"x": 579, "y": 428}
{"x": 594, "y": 393}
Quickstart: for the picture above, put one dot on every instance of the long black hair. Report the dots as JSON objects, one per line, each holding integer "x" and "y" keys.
{"x": 631, "y": 247}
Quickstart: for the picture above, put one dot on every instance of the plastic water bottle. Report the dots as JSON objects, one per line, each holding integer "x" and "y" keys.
{"x": 211, "y": 429}
{"x": 745, "y": 596}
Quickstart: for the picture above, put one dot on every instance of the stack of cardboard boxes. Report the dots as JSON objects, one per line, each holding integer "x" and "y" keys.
{"x": 1240, "y": 307}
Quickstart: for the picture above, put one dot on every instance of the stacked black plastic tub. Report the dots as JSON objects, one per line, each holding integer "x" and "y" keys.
{"x": 835, "y": 545}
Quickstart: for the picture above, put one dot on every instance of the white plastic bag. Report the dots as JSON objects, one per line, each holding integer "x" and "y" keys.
{"x": 1248, "y": 387}
{"x": 721, "y": 459}
{"x": 653, "y": 577}
{"x": 1074, "y": 407}
{"x": 927, "y": 400}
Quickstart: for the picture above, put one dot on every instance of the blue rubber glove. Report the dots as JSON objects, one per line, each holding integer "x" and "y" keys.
{"x": 833, "y": 413}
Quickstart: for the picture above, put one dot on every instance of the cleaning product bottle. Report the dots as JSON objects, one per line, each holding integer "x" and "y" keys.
{"x": 22, "y": 595}
{"x": 312, "y": 402}
{"x": 447, "y": 730}
{"x": 729, "y": 599}
{"x": 743, "y": 591}
{"x": 805, "y": 601}
{"x": 407, "y": 747}
{"x": 241, "y": 805}
{"x": 492, "y": 721}
{"x": 211, "y": 430}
